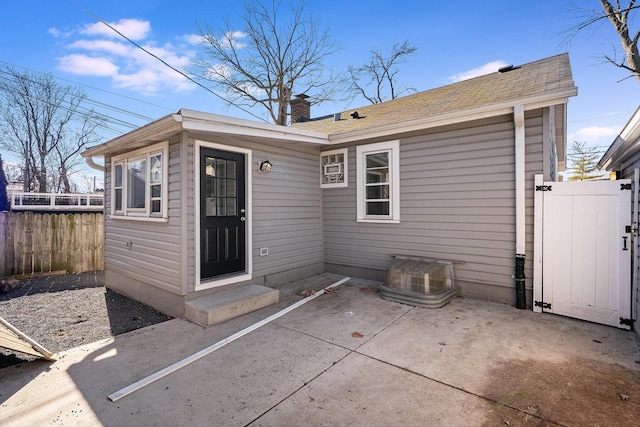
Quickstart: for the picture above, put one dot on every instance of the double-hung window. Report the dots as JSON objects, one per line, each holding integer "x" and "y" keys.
{"x": 139, "y": 183}
{"x": 378, "y": 186}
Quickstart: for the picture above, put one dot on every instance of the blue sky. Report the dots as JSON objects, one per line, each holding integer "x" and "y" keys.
{"x": 453, "y": 39}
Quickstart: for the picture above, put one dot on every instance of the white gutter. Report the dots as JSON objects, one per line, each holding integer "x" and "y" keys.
{"x": 212, "y": 123}
{"x": 188, "y": 120}
{"x": 518, "y": 119}
{"x": 93, "y": 164}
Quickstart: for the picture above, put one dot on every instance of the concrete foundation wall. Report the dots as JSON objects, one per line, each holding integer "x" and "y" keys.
{"x": 164, "y": 301}
{"x": 501, "y": 294}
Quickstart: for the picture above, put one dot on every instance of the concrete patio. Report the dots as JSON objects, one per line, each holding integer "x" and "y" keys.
{"x": 345, "y": 358}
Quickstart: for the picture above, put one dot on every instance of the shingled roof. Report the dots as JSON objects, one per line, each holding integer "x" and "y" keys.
{"x": 547, "y": 78}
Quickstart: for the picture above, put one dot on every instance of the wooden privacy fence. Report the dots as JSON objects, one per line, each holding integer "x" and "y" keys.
{"x": 43, "y": 242}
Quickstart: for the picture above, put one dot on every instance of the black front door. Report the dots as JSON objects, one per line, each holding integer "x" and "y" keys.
{"x": 222, "y": 213}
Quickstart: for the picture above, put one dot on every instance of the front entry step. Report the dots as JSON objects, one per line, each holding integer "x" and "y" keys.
{"x": 222, "y": 306}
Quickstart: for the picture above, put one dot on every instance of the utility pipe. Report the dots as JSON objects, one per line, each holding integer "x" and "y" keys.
{"x": 184, "y": 362}
{"x": 518, "y": 119}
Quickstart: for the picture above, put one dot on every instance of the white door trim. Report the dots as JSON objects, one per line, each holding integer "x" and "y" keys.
{"x": 240, "y": 277}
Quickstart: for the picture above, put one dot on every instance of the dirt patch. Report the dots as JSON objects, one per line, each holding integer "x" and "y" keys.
{"x": 61, "y": 312}
{"x": 577, "y": 392}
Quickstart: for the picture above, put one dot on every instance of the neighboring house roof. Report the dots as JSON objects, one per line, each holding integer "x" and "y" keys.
{"x": 543, "y": 83}
{"x": 624, "y": 147}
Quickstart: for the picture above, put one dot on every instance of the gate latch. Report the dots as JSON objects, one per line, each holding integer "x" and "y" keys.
{"x": 628, "y": 322}
{"x": 542, "y": 304}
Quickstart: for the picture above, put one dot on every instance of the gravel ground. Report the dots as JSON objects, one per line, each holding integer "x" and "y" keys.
{"x": 65, "y": 311}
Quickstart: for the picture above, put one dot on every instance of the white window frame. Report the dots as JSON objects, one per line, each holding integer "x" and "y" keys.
{"x": 114, "y": 188}
{"x": 142, "y": 214}
{"x": 393, "y": 148}
{"x": 343, "y": 166}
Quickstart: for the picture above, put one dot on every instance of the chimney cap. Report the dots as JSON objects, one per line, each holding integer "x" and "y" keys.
{"x": 302, "y": 96}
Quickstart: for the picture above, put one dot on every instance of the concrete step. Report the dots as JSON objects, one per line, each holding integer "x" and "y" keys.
{"x": 222, "y": 306}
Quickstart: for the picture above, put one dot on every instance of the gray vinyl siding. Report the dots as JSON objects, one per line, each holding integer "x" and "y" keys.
{"x": 457, "y": 203}
{"x": 155, "y": 254}
{"x": 287, "y": 216}
{"x": 286, "y": 209}
{"x": 550, "y": 155}
{"x": 190, "y": 208}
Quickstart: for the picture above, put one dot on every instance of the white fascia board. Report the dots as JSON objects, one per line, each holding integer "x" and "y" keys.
{"x": 203, "y": 122}
{"x": 454, "y": 117}
{"x": 624, "y": 144}
{"x": 211, "y": 123}
{"x": 146, "y": 135}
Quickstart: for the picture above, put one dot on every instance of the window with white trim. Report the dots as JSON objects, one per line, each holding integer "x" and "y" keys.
{"x": 117, "y": 187}
{"x": 333, "y": 168}
{"x": 378, "y": 183}
{"x": 139, "y": 183}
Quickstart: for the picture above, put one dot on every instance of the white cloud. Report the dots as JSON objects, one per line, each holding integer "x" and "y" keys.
{"x": 134, "y": 29}
{"x": 487, "y": 68}
{"x": 102, "y": 53}
{"x": 595, "y": 135}
{"x": 219, "y": 71}
{"x": 87, "y": 65}
{"x": 232, "y": 38}
{"x": 59, "y": 34}
{"x": 108, "y": 46}
{"x": 194, "y": 39}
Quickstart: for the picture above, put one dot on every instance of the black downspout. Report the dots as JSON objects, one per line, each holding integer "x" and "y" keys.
{"x": 521, "y": 297}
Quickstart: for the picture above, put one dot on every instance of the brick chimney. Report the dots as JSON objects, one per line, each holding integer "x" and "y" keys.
{"x": 300, "y": 108}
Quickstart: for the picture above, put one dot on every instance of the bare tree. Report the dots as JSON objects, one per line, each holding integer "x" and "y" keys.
{"x": 67, "y": 154}
{"x": 273, "y": 55}
{"x": 37, "y": 116}
{"x": 619, "y": 16}
{"x": 380, "y": 74}
{"x": 12, "y": 171}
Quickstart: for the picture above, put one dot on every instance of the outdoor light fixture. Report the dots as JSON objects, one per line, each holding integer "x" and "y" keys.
{"x": 265, "y": 167}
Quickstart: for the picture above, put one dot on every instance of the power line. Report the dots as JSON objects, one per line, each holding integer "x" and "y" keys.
{"x": 86, "y": 112}
{"x": 96, "y": 88}
{"x": 118, "y": 109}
{"x": 162, "y": 60}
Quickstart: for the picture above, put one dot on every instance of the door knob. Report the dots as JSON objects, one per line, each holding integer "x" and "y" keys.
{"x": 243, "y": 219}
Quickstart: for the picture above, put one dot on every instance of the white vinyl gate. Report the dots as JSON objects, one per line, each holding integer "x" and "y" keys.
{"x": 582, "y": 250}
